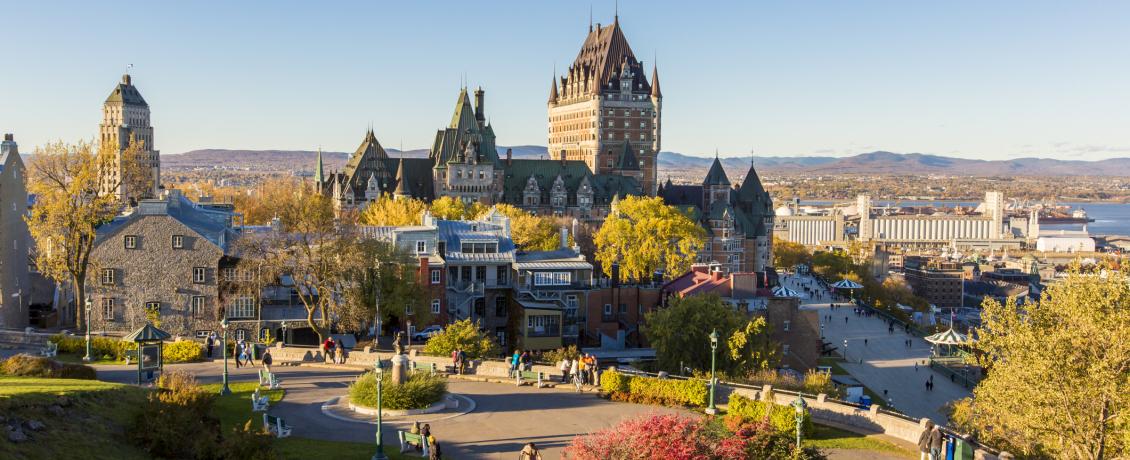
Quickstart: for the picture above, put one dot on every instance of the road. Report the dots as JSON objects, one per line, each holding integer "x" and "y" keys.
{"x": 887, "y": 363}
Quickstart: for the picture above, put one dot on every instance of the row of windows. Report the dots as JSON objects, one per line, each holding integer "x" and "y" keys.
{"x": 131, "y": 241}
{"x": 552, "y": 278}
{"x": 109, "y": 275}
{"x": 408, "y": 310}
{"x": 110, "y": 305}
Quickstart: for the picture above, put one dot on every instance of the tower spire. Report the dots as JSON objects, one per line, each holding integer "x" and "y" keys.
{"x": 319, "y": 171}
{"x": 616, "y": 18}
{"x": 590, "y": 23}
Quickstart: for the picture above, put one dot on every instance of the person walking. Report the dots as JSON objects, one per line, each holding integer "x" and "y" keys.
{"x": 209, "y": 343}
{"x": 267, "y": 360}
{"x": 455, "y": 360}
{"x": 515, "y": 361}
{"x": 462, "y": 361}
{"x": 581, "y": 370}
{"x": 529, "y": 452}
{"x": 339, "y": 354}
{"x": 563, "y": 366}
{"x": 238, "y": 349}
{"x": 924, "y": 442}
{"x": 935, "y": 443}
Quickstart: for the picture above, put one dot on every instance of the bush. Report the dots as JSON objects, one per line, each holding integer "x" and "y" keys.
{"x": 650, "y": 390}
{"x": 682, "y": 437}
{"x": 100, "y": 347}
{"x": 37, "y": 366}
{"x": 465, "y": 335}
{"x": 555, "y": 356}
{"x": 184, "y": 351}
{"x": 175, "y": 421}
{"x": 780, "y": 418}
{"x": 418, "y": 392}
{"x": 248, "y": 443}
{"x": 812, "y": 383}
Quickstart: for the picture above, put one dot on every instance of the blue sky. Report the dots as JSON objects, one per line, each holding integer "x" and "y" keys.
{"x": 972, "y": 79}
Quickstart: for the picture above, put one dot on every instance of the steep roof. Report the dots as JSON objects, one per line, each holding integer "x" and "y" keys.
{"x": 451, "y": 142}
{"x": 572, "y": 172}
{"x": 628, "y": 160}
{"x": 403, "y": 187}
{"x": 464, "y": 116}
{"x": 751, "y": 186}
{"x": 655, "y": 82}
{"x": 126, "y": 93}
{"x": 603, "y": 55}
{"x": 716, "y": 175}
{"x": 553, "y": 89}
{"x": 365, "y": 159}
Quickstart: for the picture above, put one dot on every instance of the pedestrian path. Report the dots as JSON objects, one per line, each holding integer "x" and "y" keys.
{"x": 885, "y": 362}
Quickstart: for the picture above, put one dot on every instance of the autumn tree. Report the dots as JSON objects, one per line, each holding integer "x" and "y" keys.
{"x": 381, "y": 273}
{"x": 311, "y": 247}
{"x": 530, "y": 232}
{"x": 268, "y": 199}
{"x": 393, "y": 212}
{"x": 463, "y": 335}
{"x": 644, "y": 235}
{"x": 1058, "y": 380}
{"x": 787, "y": 254}
{"x": 73, "y": 197}
{"x": 680, "y": 335}
{"x": 453, "y": 208}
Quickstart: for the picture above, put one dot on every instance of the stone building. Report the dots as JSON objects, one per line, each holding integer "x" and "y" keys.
{"x": 125, "y": 118}
{"x": 15, "y": 282}
{"x": 164, "y": 260}
{"x": 603, "y": 102}
{"x": 940, "y": 282}
{"x": 738, "y": 220}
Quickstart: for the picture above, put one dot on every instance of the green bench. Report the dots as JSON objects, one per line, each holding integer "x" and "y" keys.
{"x": 409, "y": 441}
{"x": 51, "y": 350}
{"x": 428, "y": 367}
{"x": 269, "y": 379}
{"x": 276, "y": 426}
{"x": 259, "y": 403}
{"x": 536, "y": 377}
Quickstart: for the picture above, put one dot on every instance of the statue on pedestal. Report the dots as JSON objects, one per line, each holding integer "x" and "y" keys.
{"x": 398, "y": 342}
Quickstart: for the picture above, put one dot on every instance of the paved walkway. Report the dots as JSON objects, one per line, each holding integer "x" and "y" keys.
{"x": 887, "y": 363}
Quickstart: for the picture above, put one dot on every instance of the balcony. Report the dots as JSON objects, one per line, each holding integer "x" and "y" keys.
{"x": 285, "y": 313}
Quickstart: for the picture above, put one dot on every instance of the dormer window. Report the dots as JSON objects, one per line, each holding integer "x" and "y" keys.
{"x": 130, "y": 241}
{"x": 178, "y": 241}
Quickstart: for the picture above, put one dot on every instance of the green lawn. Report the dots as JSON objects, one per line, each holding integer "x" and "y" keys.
{"x": 826, "y": 437}
{"x": 235, "y": 409}
{"x": 94, "y": 425}
{"x": 314, "y": 449}
{"x": 76, "y": 358}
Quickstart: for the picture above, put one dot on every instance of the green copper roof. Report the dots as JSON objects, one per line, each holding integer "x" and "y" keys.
{"x": 628, "y": 160}
{"x": 716, "y": 175}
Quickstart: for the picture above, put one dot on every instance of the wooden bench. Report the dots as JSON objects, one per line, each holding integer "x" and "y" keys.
{"x": 269, "y": 379}
{"x": 409, "y": 441}
{"x": 537, "y": 377}
{"x": 259, "y": 403}
{"x": 276, "y": 426}
{"x": 51, "y": 350}
{"x": 429, "y": 367}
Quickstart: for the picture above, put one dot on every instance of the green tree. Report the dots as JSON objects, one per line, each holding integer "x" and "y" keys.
{"x": 73, "y": 197}
{"x": 393, "y": 212}
{"x": 1058, "y": 382}
{"x": 464, "y": 335}
{"x": 376, "y": 266}
{"x": 680, "y": 332}
{"x": 786, "y": 253}
{"x": 644, "y": 235}
{"x": 750, "y": 348}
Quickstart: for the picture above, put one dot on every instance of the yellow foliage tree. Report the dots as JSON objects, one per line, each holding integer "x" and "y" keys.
{"x": 393, "y": 212}
{"x": 1058, "y": 384}
{"x": 786, "y": 254}
{"x": 644, "y": 235}
{"x": 72, "y": 199}
{"x": 530, "y": 232}
{"x": 268, "y": 199}
{"x": 449, "y": 208}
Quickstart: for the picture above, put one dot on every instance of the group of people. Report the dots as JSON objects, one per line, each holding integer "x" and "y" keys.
{"x": 584, "y": 368}
{"x": 244, "y": 356}
{"x": 520, "y": 361}
{"x": 332, "y": 351}
{"x": 243, "y": 352}
{"x": 434, "y": 451}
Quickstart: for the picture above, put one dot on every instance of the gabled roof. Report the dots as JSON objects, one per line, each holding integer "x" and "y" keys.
{"x": 464, "y": 117}
{"x": 214, "y": 225}
{"x": 451, "y": 142}
{"x": 716, "y": 175}
{"x": 363, "y": 160}
{"x": 628, "y": 160}
{"x": 603, "y": 55}
{"x": 126, "y": 93}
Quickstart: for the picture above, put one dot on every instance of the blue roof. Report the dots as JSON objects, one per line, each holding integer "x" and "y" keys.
{"x": 212, "y": 224}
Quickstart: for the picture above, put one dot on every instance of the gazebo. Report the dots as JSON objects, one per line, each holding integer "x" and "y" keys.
{"x": 850, "y": 285}
{"x": 781, "y": 291}
{"x": 149, "y": 340}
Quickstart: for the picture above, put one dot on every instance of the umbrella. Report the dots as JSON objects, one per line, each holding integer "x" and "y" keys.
{"x": 847, "y": 284}
{"x": 781, "y": 291}
{"x": 949, "y": 337}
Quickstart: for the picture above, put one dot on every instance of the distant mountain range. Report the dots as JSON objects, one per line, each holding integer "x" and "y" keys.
{"x": 881, "y": 163}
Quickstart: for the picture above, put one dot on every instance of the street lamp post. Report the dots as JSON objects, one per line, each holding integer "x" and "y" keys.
{"x": 713, "y": 380}
{"x": 283, "y": 341}
{"x": 799, "y": 405}
{"x": 378, "y": 372}
{"x": 87, "y": 358}
{"x": 226, "y": 390}
{"x": 845, "y": 349}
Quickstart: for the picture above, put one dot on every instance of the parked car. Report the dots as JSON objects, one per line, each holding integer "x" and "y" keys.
{"x": 426, "y": 333}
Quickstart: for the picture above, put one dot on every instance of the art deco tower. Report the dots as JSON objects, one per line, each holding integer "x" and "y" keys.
{"x": 125, "y": 116}
{"x": 603, "y": 101}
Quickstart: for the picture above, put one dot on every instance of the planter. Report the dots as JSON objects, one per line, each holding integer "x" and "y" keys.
{"x": 448, "y": 402}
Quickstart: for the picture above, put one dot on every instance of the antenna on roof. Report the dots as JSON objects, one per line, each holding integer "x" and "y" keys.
{"x": 616, "y": 18}
{"x": 590, "y": 17}
{"x": 715, "y": 152}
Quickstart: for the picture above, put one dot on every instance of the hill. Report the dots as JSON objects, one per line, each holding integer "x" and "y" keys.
{"x": 678, "y": 164}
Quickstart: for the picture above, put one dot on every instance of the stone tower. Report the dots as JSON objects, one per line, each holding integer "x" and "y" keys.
{"x": 125, "y": 117}
{"x": 604, "y": 100}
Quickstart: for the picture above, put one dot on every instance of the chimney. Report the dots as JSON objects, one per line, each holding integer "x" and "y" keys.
{"x": 564, "y": 237}
{"x": 479, "y": 108}
{"x": 717, "y": 275}
{"x": 425, "y": 277}
{"x": 509, "y": 156}
{"x": 126, "y": 79}
{"x": 9, "y": 137}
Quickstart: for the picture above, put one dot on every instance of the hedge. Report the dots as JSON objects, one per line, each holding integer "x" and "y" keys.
{"x": 184, "y": 351}
{"x": 100, "y": 347}
{"x": 781, "y": 418}
{"x": 650, "y": 390}
{"x": 24, "y": 365}
{"x": 418, "y": 392}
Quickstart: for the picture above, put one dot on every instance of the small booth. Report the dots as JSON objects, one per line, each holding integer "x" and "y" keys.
{"x": 850, "y": 285}
{"x": 150, "y": 346}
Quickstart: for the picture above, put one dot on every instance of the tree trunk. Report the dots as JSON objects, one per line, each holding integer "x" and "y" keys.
{"x": 313, "y": 325}
{"x": 80, "y": 301}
